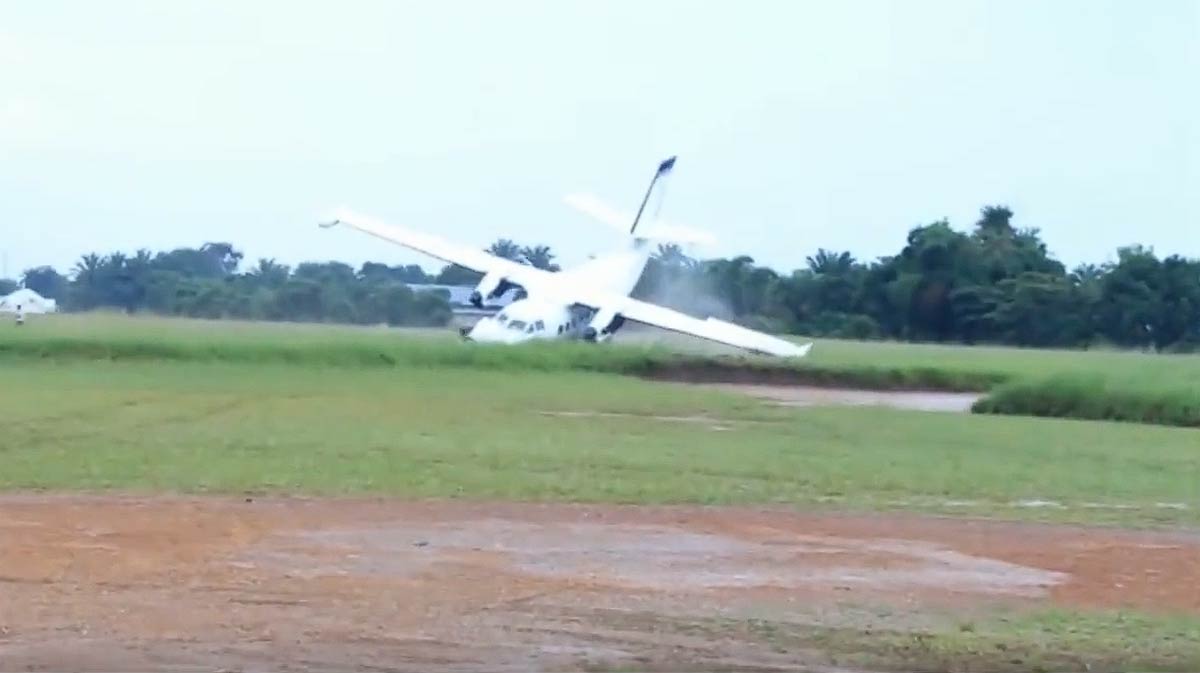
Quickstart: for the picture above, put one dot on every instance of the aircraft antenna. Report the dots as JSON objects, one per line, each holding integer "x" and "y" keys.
{"x": 663, "y": 168}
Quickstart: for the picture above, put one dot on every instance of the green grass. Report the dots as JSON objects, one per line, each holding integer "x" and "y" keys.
{"x": 424, "y": 432}
{"x": 1009, "y": 642}
{"x": 1125, "y": 386}
{"x": 1009, "y": 363}
{"x": 1057, "y": 640}
{"x": 115, "y": 337}
{"x": 973, "y": 368}
{"x": 1045, "y": 640}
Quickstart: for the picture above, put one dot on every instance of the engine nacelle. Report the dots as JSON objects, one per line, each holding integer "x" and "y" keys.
{"x": 603, "y": 325}
{"x": 491, "y": 286}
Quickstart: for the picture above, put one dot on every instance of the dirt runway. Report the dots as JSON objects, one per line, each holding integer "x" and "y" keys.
{"x": 104, "y": 583}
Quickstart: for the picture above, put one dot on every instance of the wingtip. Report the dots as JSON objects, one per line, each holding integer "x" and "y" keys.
{"x": 333, "y": 217}
{"x": 800, "y": 351}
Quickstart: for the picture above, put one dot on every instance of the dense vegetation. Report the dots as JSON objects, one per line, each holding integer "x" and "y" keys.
{"x": 205, "y": 282}
{"x": 994, "y": 284}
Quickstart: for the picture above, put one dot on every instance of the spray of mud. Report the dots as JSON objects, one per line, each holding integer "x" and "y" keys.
{"x": 685, "y": 288}
{"x": 688, "y": 290}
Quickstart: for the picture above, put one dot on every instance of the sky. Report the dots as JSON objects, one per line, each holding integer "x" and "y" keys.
{"x": 798, "y": 124}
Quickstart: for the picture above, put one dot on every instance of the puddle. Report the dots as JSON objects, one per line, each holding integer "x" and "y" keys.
{"x": 652, "y": 557}
{"x": 810, "y": 396}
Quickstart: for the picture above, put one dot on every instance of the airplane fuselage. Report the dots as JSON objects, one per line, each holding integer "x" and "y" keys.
{"x": 538, "y": 317}
{"x": 590, "y": 301}
{"x": 530, "y": 319}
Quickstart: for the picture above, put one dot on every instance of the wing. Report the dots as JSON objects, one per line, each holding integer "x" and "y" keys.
{"x": 708, "y": 328}
{"x": 453, "y": 253}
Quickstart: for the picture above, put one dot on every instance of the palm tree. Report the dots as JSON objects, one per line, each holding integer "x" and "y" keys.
{"x": 507, "y": 249}
{"x": 670, "y": 254}
{"x": 1087, "y": 273}
{"x": 114, "y": 263}
{"x": 829, "y": 262}
{"x": 269, "y": 272}
{"x": 539, "y": 257}
{"x": 87, "y": 267}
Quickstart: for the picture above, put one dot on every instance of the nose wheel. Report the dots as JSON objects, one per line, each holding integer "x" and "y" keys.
{"x": 590, "y": 335}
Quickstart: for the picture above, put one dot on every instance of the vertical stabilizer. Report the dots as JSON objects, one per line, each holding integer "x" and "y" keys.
{"x": 663, "y": 168}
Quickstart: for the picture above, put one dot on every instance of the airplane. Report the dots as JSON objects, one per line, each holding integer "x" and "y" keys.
{"x": 589, "y": 302}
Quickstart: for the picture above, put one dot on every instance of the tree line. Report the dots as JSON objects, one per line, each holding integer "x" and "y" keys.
{"x": 992, "y": 284}
{"x": 210, "y": 282}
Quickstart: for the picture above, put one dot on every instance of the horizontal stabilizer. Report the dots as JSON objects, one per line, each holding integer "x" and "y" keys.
{"x": 656, "y": 230}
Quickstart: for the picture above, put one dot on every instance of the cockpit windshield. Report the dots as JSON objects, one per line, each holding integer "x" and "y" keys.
{"x": 517, "y": 325}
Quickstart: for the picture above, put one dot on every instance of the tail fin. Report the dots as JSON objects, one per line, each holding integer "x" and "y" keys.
{"x": 663, "y": 168}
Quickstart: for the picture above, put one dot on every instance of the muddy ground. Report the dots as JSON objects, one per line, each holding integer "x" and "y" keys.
{"x": 106, "y": 583}
{"x": 812, "y": 396}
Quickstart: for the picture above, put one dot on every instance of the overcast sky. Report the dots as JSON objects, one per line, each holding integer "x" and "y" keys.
{"x": 797, "y": 124}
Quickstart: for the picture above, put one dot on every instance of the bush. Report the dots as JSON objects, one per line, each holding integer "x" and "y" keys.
{"x": 1097, "y": 397}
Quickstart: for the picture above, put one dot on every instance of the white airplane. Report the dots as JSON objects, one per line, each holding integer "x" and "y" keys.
{"x": 590, "y": 301}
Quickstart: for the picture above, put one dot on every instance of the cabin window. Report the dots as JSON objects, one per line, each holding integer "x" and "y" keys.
{"x": 539, "y": 326}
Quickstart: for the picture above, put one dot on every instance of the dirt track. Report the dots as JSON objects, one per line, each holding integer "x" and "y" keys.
{"x": 201, "y": 584}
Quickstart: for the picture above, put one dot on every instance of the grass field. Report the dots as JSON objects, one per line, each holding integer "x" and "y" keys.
{"x": 1051, "y": 640}
{"x": 1102, "y": 385}
{"x": 205, "y": 338}
{"x": 499, "y": 434}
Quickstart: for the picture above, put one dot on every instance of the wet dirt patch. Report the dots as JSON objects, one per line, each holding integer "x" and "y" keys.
{"x": 667, "y": 558}
{"x": 99, "y": 583}
{"x": 812, "y": 396}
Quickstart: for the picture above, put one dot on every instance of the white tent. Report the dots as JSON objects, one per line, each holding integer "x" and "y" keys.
{"x": 29, "y": 301}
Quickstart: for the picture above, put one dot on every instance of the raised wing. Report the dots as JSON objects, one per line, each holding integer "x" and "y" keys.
{"x": 476, "y": 260}
{"x": 708, "y": 328}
